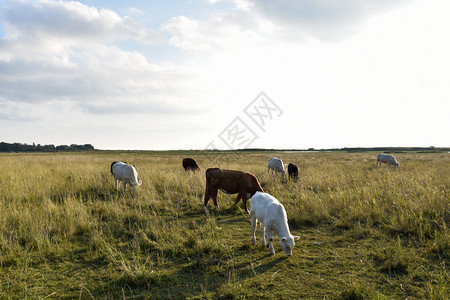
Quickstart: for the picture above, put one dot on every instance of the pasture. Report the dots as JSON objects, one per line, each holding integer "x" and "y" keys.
{"x": 365, "y": 232}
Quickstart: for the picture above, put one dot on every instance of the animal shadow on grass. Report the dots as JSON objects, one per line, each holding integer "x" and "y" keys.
{"x": 99, "y": 193}
{"x": 93, "y": 193}
{"x": 228, "y": 208}
{"x": 242, "y": 271}
{"x": 257, "y": 266}
{"x": 233, "y": 210}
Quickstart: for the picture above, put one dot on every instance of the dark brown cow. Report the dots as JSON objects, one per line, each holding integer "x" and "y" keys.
{"x": 293, "y": 171}
{"x": 230, "y": 182}
{"x": 190, "y": 164}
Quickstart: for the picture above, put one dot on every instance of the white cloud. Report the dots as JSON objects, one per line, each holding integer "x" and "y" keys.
{"x": 64, "y": 52}
{"x": 69, "y": 21}
{"x": 240, "y": 4}
{"x": 52, "y": 28}
{"x": 327, "y": 20}
{"x": 262, "y": 22}
{"x": 218, "y": 33}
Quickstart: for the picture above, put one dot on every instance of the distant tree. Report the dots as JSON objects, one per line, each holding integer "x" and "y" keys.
{"x": 88, "y": 147}
{"x": 19, "y": 147}
{"x": 5, "y": 147}
{"x": 62, "y": 148}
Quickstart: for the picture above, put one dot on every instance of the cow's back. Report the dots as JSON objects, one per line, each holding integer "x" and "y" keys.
{"x": 265, "y": 207}
{"x": 112, "y": 164}
{"x": 276, "y": 164}
{"x": 386, "y": 158}
{"x": 232, "y": 181}
{"x": 124, "y": 172}
{"x": 190, "y": 164}
{"x": 292, "y": 169}
{"x": 121, "y": 169}
{"x": 213, "y": 176}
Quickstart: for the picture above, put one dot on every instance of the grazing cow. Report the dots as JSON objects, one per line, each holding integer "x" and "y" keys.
{"x": 190, "y": 164}
{"x": 276, "y": 164}
{"x": 292, "y": 171}
{"x": 230, "y": 182}
{"x": 272, "y": 218}
{"x": 125, "y": 173}
{"x": 388, "y": 159}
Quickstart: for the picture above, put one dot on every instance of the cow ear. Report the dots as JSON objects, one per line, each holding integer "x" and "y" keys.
{"x": 296, "y": 237}
{"x": 283, "y": 239}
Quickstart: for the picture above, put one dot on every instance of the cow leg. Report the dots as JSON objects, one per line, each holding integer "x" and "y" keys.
{"x": 238, "y": 198}
{"x": 116, "y": 184}
{"x": 208, "y": 195}
{"x": 270, "y": 238}
{"x": 124, "y": 185}
{"x": 244, "y": 204}
{"x": 214, "y": 197}
{"x": 206, "y": 199}
{"x": 263, "y": 236}
{"x": 254, "y": 223}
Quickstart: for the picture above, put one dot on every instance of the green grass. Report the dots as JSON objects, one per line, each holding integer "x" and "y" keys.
{"x": 365, "y": 232}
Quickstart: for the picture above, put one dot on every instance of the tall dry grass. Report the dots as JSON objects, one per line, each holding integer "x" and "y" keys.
{"x": 60, "y": 213}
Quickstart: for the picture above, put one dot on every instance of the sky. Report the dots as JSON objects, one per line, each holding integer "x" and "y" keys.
{"x": 226, "y": 74}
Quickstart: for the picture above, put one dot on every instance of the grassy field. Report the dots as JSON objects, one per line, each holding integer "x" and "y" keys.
{"x": 365, "y": 232}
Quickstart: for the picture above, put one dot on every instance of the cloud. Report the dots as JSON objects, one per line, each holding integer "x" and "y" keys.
{"x": 240, "y": 4}
{"x": 29, "y": 112}
{"x": 219, "y": 32}
{"x": 64, "y": 52}
{"x": 70, "y": 21}
{"x": 107, "y": 81}
{"x": 327, "y": 20}
{"x": 269, "y": 21}
{"x": 54, "y": 27}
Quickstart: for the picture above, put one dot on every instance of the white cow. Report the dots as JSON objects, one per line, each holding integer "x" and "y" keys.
{"x": 272, "y": 217}
{"x": 125, "y": 173}
{"x": 388, "y": 159}
{"x": 276, "y": 164}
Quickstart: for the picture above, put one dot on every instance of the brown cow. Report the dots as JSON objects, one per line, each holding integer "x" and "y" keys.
{"x": 190, "y": 164}
{"x": 230, "y": 182}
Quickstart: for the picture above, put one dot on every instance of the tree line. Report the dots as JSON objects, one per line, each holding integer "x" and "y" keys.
{"x": 431, "y": 149}
{"x": 21, "y": 147}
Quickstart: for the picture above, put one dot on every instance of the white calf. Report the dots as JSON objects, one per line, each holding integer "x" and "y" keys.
{"x": 387, "y": 159}
{"x": 125, "y": 173}
{"x": 272, "y": 217}
{"x": 276, "y": 164}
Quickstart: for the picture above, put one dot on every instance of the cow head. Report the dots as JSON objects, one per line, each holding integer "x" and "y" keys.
{"x": 287, "y": 243}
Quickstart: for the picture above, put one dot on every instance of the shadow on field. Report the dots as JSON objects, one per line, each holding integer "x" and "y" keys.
{"x": 256, "y": 265}
{"x": 93, "y": 193}
{"x": 232, "y": 218}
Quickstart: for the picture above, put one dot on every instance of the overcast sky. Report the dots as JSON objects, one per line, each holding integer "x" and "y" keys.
{"x": 199, "y": 74}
